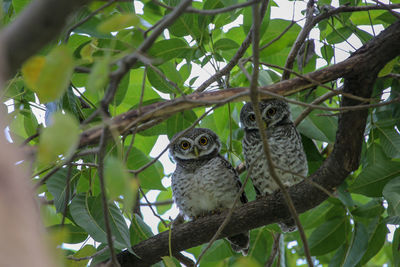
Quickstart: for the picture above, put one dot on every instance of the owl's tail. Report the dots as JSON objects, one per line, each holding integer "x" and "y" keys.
{"x": 288, "y": 225}
{"x": 240, "y": 243}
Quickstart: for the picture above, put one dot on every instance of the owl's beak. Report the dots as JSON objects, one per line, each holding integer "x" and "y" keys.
{"x": 196, "y": 151}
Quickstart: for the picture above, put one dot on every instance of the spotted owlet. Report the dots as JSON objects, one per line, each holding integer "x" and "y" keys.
{"x": 203, "y": 181}
{"x": 285, "y": 144}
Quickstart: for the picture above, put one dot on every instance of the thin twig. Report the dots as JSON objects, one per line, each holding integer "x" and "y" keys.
{"x": 308, "y": 110}
{"x": 279, "y": 36}
{"x": 235, "y": 59}
{"x": 159, "y": 203}
{"x": 151, "y": 208}
{"x": 274, "y": 251}
{"x": 30, "y": 138}
{"x": 261, "y": 126}
{"x": 315, "y": 82}
{"x": 101, "y": 155}
{"x": 126, "y": 62}
{"x": 308, "y": 25}
{"x": 311, "y": 182}
{"x": 341, "y": 109}
{"x": 397, "y": 15}
{"x": 85, "y": 164}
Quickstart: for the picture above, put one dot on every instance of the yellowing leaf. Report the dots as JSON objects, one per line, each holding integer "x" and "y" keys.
{"x": 168, "y": 261}
{"x": 118, "y": 22}
{"x": 60, "y": 138}
{"x": 49, "y": 76}
{"x": 31, "y": 70}
{"x": 88, "y": 50}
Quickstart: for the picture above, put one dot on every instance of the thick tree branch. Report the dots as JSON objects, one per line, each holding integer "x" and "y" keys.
{"x": 33, "y": 29}
{"x": 344, "y": 159}
{"x": 136, "y": 117}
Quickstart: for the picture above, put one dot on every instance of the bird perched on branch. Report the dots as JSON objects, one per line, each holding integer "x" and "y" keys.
{"x": 285, "y": 144}
{"x": 204, "y": 182}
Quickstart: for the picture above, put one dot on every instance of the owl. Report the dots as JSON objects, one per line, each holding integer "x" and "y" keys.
{"x": 204, "y": 182}
{"x": 285, "y": 144}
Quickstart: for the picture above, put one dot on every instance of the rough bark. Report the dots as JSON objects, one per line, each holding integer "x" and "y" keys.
{"x": 345, "y": 158}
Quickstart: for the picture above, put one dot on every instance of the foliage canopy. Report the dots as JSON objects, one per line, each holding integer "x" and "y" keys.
{"x": 118, "y": 56}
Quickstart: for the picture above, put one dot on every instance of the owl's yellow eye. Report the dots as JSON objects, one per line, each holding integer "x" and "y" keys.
{"x": 271, "y": 112}
{"x": 185, "y": 145}
{"x": 203, "y": 141}
{"x": 252, "y": 117}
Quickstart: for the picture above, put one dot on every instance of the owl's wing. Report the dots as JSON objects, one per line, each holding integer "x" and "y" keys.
{"x": 235, "y": 175}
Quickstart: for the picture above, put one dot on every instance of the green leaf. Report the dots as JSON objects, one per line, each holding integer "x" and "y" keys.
{"x": 358, "y": 246}
{"x": 275, "y": 29}
{"x": 57, "y": 186}
{"x": 180, "y": 122}
{"x": 30, "y": 123}
{"x": 372, "y": 209}
{"x": 186, "y": 24}
{"x": 139, "y": 230}
{"x": 90, "y": 26}
{"x": 98, "y": 76}
{"x": 359, "y": 18}
{"x": 377, "y": 235}
{"x": 391, "y": 192}
{"x": 75, "y": 233}
{"x": 160, "y": 83}
{"x": 337, "y": 259}
{"x": 118, "y": 22}
{"x": 116, "y": 177}
{"x": 151, "y": 177}
{"x": 375, "y": 154}
{"x": 86, "y": 251}
{"x": 327, "y": 52}
{"x": 121, "y": 91}
{"x": 390, "y": 141}
{"x": 164, "y": 196}
{"x": 264, "y": 78}
{"x": 19, "y": 5}
{"x": 53, "y": 140}
{"x": 225, "y": 44}
{"x": 327, "y": 237}
{"x": 87, "y": 212}
{"x": 316, "y": 127}
{"x": 315, "y": 216}
{"x": 169, "y": 49}
{"x": 373, "y": 178}
{"x": 132, "y": 96}
{"x": 396, "y": 247}
{"x": 339, "y": 35}
{"x": 218, "y": 251}
{"x": 248, "y": 20}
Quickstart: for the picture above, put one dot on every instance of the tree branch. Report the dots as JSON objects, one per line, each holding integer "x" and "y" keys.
{"x": 343, "y": 159}
{"x": 136, "y": 117}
